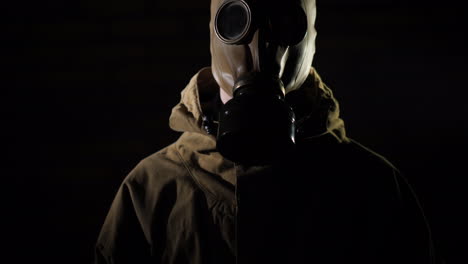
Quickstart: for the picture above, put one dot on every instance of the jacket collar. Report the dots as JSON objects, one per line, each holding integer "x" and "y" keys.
{"x": 317, "y": 110}
{"x": 317, "y": 114}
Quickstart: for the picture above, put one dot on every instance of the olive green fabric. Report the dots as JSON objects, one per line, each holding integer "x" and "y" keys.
{"x": 180, "y": 205}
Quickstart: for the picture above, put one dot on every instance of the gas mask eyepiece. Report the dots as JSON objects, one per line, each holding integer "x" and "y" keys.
{"x": 233, "y": 22}
{"x": 237, "y": 21}
{"x": 287, "y": 25}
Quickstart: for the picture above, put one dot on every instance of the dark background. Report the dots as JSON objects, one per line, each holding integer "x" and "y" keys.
{"x": 88, "y": 87}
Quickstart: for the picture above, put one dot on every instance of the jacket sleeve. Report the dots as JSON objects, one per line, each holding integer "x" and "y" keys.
{"x": 122, "y": 239}
{"x": 411, "y": 232}
{"x": 397, "y": 229}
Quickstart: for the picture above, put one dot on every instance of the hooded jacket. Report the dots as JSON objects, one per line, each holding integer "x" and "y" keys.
{"x": 333, "y": 201}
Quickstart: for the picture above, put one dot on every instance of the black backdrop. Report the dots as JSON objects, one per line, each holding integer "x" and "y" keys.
{"x": 88, "y": 87}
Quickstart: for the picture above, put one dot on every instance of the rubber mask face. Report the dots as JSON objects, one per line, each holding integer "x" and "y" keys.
{"x": 272, "y": 36}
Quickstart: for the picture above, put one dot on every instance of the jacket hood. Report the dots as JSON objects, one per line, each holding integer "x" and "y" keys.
{"x": 317, "y": 111}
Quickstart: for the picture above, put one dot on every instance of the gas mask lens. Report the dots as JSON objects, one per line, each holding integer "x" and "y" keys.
{"x": 284, "y": 25}
{"x": 288, "y": 26}
{"x": 233, "y": 21}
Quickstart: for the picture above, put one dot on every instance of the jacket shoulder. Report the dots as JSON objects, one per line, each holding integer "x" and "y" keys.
{"x": 371, "y": 169}
{"x": 413, "y": 231}
{"x": 158, "y": 169}
{"x": 144, "y": 203}
{"x": 371, "y": 157}
{"x": 348, "y": 156}
{"x": 160, "y": 180}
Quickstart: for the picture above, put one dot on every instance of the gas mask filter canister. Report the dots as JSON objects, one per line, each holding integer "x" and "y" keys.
{"x": 256, "y": 126}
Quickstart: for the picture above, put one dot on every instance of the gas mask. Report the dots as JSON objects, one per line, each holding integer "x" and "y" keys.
{"x": 261, "y": 50}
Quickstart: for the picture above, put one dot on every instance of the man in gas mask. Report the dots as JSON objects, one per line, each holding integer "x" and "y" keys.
{"x": 263, "y": 172}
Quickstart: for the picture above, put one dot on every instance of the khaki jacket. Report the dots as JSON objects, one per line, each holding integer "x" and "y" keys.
{"x": 334, "y": 201}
